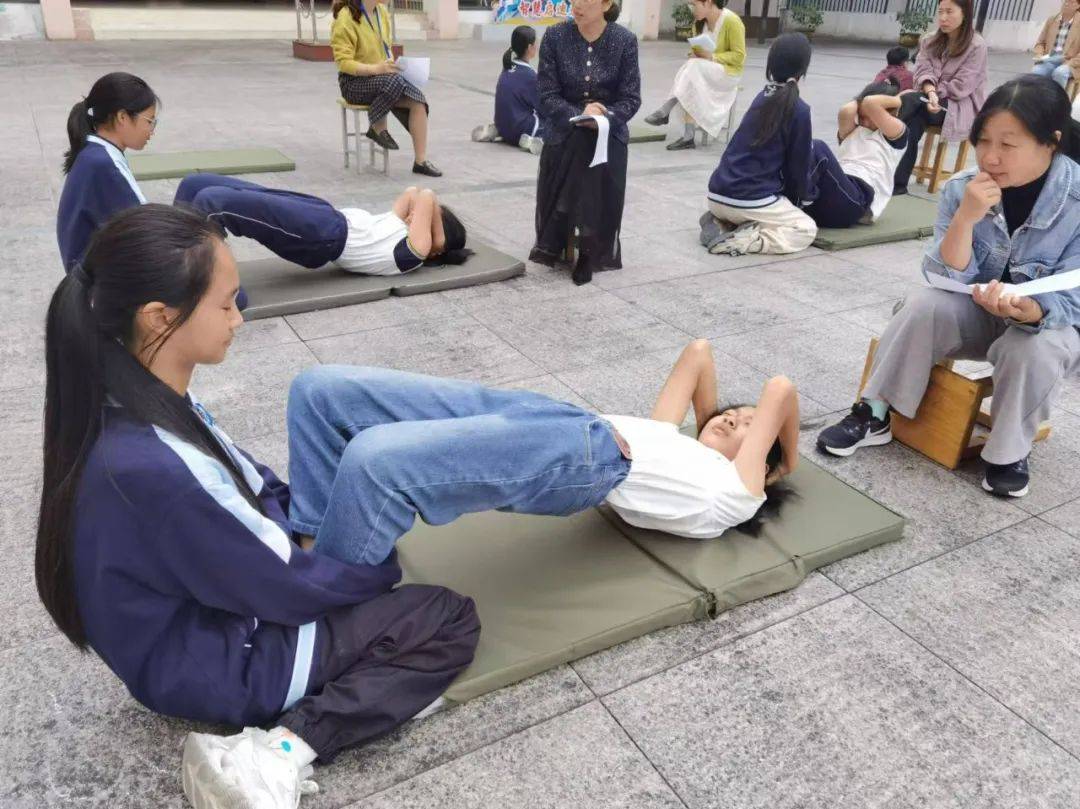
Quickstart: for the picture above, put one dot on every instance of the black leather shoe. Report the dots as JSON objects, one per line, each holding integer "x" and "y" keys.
{"x": 582, "y": 273}
{"x": 680, "y": 144}
{"x": 382, "y": 139}
{"x": 426, "y": 168}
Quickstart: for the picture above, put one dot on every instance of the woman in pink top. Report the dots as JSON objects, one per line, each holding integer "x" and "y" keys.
{"x": 950, "y": 80}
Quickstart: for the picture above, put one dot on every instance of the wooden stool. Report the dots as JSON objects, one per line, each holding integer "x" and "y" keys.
{"x": 730, "y": 122}
{"x": 936, "y": 173}
{"x": 951, "y": 407}
{"x": 356, "y": 134}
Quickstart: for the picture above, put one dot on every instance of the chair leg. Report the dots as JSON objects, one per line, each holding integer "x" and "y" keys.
{"x": 939, "y": 159}
{"x": 922, "y": 168}
{"x": 961, "y": 156}
{"x": 704, "y": 138}
{"x": 356, "y": 137}
{"x": 386, "y": 162}
{"x": 345, "y": 134}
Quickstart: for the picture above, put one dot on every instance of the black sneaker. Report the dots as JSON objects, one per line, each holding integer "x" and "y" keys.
{"x": 1007, "y": 479}
{"x": 859, "y": 428}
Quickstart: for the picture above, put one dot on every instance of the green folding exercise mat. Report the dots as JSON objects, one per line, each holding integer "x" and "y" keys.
{"x": 824, "y": 521}
{"x": 554, "y": 589}
{"x": 215, "y": 161}
{"x": 905, "y": 217}
{"x": 277, "y": 287}
{"x": 548, "y": 590}
{"x": 647, "y": 134}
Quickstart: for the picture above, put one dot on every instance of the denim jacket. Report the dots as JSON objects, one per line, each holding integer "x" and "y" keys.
{"x": 1047, "y": 243}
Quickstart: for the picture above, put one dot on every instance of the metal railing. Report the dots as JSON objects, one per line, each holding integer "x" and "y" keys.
{"x": 846, "y": 6}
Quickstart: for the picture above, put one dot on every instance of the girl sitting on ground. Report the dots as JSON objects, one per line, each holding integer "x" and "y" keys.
{"x": 182, "y": 561}
{"x": 757, "y": 192}
{"x": 119, "y": 113}
{"x": 311, "y": 232}
{"x": 1013, "y": 219}
{"x": 517, "y": 100}
{"x": 708, "y": 82}
{"x": 856, "y": 183}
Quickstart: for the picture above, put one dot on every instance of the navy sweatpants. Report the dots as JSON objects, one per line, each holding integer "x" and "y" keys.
{"x": 842, "y": 199}
{"x": 300, "y": 228}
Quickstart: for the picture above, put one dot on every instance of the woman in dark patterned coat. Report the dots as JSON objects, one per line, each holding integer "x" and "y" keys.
{"x": 588, "y": 66}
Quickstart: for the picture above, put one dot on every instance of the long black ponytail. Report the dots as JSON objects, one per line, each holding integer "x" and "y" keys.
{"x": 144, "y": 254}
{"x": 112, "y": 93}
{"x": 520, "y": 40}
{"x": 1041, "y": 105}
{"x": 788, "y": 61}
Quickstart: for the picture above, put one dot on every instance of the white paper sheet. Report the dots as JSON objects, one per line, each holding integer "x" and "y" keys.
{"x": 416, "y": 70}
{"x": 1058, "y": 282}
{"x": 702, "y": 41}
{"x": 603, "y": 128}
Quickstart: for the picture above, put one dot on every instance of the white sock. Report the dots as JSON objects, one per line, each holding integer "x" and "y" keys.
{"x": 293, "y": 746}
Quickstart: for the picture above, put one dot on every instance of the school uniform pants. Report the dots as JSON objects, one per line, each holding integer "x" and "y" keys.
{"x": 370, "y": 449}
{"x": 917, "y": 117}
{"x": 381, "y": 663}
{"x": 843, "y": 200}
{"x": 783, "y": 227}
{"x": 300, "y": 228}
{"x": 1029, "y": 367}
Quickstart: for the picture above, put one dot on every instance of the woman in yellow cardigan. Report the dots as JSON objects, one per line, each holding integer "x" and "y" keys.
{"x": 360, "y": 38}
{"x": 706, "y": 84}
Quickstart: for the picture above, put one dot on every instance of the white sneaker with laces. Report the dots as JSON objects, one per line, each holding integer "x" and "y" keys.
{"x": 241, "y": 772}
{"x": 485, "y": 133}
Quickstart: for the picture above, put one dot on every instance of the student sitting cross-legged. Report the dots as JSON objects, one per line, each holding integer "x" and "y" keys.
{"x": 1014, "y": 219}
{"x": 311, "y": 232}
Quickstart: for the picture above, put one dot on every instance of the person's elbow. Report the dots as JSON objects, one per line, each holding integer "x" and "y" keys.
{"x": 699, "y": 345}
{"x": 781, "y": 385}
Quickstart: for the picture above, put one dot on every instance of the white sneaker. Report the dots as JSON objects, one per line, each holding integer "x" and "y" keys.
{"x": 241, "y": 772}
{"x": 531, "y": 144}
{"x": 485, "y": 133}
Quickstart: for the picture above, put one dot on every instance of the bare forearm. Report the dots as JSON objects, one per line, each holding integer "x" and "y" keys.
{"x": 704, "y": 398}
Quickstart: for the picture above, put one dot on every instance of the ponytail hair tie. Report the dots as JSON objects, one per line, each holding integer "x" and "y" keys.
{"x": 89, "y": 112}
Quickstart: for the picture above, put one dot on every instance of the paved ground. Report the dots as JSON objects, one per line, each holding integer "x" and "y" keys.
{"x": 938, "y": 671}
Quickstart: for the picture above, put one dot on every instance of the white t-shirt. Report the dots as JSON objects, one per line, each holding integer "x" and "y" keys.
{"x": 371, "y": 242}
{"x": 868, "y": 155}
{"x": 677, "y": 484}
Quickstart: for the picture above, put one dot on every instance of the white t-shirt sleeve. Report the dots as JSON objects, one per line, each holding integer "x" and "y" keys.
{"x": 733, "y": 503}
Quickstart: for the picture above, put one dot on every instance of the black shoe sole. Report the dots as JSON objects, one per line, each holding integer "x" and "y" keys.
{"x": 418, "y": 169}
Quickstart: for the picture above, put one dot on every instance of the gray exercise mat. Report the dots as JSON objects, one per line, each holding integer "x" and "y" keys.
{"x": 647, "y": 134}
{"x": 905, "y": 217}
{"x": 277, "y": 287}
{"x": 825, "y": 521}
{"x": 216, "y": 161}
{"x": 548, "y": 590}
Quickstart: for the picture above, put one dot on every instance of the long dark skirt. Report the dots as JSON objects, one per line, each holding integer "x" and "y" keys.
{"x": 380, "y": 93}
{"x": 571, "y": 195}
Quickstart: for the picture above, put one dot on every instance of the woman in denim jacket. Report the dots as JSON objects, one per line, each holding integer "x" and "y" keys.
{"x": 1015, "y": 219}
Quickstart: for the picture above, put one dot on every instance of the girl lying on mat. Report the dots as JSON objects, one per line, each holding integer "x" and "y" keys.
{"x": 855, "y": 184}
{"x": 181, "y": 560}
{"x": 1014, "y": 219}
{"x": 311, "y": 232}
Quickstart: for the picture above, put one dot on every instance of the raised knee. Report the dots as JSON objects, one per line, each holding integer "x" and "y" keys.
{"x": 1020, "y": 351}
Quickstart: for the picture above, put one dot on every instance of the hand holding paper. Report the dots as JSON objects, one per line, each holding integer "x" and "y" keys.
{"x": 702, "y": 42}
{"x": 603, "y": 128}
{"x": 998, "y": 301}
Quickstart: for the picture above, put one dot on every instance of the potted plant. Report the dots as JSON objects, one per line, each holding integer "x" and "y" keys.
{"x": 913, "y": 24}
{"x": 684, "y": 21}
{"x": 806, "y": 16}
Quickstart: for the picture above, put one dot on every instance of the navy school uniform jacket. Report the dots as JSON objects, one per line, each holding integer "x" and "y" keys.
{"x": 516, "y": 103}
{"x": 204, "y": 607}
{"x": 99, "y": 185}
{"x": 752, "y": 176}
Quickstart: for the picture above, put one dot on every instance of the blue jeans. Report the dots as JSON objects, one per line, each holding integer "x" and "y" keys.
{"x": 1055, "y": 68}
{"x": 842, "y": 199}
{"x": 369, "y": 449}
{"x": 300, "y": 228}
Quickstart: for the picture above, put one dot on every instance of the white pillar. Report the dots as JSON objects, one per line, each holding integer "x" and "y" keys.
{"x": 58, "y": 19}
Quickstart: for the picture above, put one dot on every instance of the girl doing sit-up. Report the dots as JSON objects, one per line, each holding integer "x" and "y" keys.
{"x": 311, "y": 232}
{"x": 180, "y": 559}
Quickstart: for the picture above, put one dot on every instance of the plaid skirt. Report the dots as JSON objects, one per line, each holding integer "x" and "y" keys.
{"x": 379, "y": 93}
